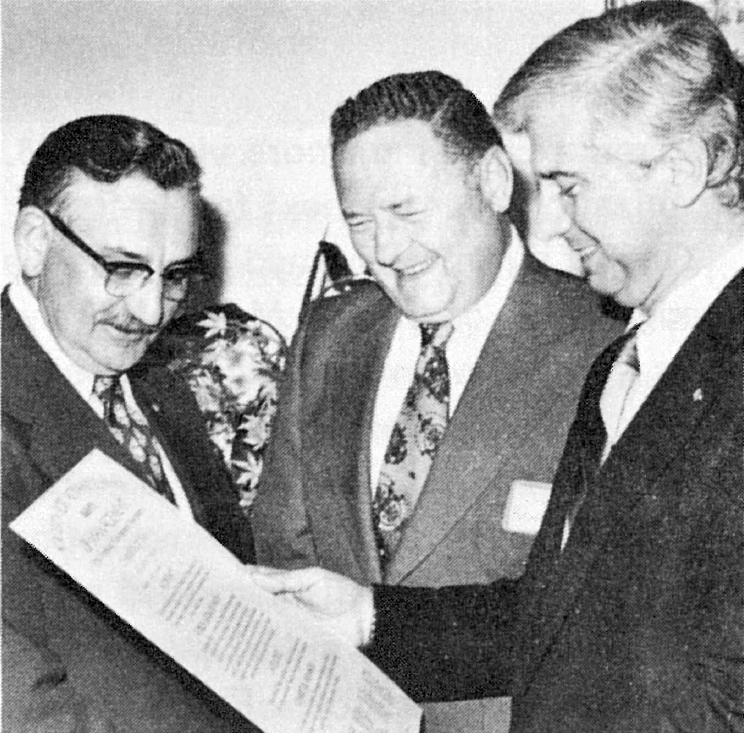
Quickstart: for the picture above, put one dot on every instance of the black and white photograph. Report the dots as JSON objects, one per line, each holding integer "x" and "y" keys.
{"x": 372, "y": 366}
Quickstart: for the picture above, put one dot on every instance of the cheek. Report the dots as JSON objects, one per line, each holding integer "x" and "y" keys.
{"x": 363, "y": 244}
{"x": 73, "y": 298}
{"x": 60, "y": 291}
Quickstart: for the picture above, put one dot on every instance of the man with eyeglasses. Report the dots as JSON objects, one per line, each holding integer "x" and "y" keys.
{"x": 106, "y": 236}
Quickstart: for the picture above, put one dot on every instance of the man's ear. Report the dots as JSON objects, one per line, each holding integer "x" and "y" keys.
{"x": 496, "y": 178}
{"x": 32, "y": 239}
{"x": 686, "y": 165}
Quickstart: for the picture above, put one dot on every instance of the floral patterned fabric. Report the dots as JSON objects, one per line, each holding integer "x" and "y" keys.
{"x": 414, "y": 440}
{"x": 232, "y": 361}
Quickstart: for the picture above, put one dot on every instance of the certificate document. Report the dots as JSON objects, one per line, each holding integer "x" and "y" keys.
{"x": 177, "y": 586}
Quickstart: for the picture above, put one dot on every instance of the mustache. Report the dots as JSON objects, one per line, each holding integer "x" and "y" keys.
{"x": 131, "y": 326}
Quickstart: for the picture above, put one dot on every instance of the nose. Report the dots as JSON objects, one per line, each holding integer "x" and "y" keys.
{"x": 389, "y": 241}
{"x": 146, "y": 304}
{"x": 553, "y": 217}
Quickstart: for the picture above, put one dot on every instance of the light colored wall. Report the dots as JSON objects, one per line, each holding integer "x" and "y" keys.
{"x": 250, "y": 85}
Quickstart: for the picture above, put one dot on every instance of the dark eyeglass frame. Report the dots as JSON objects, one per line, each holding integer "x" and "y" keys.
{"x": 178, "y": 276}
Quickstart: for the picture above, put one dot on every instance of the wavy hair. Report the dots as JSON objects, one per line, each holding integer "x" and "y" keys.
{"x": 456, "y": 115}
{"x": 664, "y": 65}
{"x": 106, "y": 148}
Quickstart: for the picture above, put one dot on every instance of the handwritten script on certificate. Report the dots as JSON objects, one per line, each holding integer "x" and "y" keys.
{"x": 173, "y": 582}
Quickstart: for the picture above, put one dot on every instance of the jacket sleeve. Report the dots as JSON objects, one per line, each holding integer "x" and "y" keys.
{"x": 37, "y": 694}
{"x": 281, "y": 526}
{"x": 451, "y": 643}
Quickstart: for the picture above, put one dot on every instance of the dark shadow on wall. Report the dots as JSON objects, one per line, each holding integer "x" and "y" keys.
{"x": 213, "y": 231}
{"x": 520, "y": 204}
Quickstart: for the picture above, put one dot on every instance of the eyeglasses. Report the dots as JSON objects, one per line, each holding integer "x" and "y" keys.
{"x": 125, "y": 278}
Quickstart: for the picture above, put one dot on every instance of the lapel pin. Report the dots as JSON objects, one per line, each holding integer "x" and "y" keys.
{"x": 697, "y": 395}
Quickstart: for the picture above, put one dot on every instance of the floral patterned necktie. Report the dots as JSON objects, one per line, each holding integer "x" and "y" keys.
{"x": 413, "y": 443}
{"x": 132, "y": 431}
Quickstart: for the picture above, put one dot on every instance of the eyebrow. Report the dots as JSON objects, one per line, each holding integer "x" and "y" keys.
{"x": 552, "y": 175}
{"x": 351, "y": 214}
{"x": 137, "y": 258}
{"x": 408, "y": 201}
{"x": 395, "y": 206}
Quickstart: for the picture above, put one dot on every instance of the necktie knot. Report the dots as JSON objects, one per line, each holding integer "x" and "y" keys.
{"x": 435, "y": 334}
{"x": 103, "y": 383}
{"x": 629, "y": 353}
{"x": 107, "y": 387}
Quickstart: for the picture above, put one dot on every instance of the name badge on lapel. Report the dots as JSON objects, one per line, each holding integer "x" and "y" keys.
{"x": 525, "y": 506}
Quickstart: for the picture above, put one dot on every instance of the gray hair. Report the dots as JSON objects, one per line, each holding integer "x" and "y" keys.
{"x": 663, "y": 64}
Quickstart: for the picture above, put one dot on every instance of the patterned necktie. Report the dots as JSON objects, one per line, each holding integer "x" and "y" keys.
{"x": 132, "y": 431}
{"x": 625, "y": 371}
{"x": 414, "y": 440}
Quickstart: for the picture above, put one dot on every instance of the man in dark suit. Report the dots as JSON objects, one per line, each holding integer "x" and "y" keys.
{"x": 630, "y": 614}
{"x": 106, "y": 237}
{"x": 424, "y": 185}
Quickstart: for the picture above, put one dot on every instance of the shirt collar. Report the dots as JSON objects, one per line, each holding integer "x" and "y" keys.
{"x": 661, "y": 335}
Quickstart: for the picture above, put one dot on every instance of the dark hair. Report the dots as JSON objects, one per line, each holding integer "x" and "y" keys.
{"x": 106, "y": 148}
{"x": 664, "y": 65}
{"x": 456, "y": 115}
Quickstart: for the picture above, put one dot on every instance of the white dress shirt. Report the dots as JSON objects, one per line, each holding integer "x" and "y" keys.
{"x": 81, "y": 379}
{"x": 463, "y": 349}
{"x": 662, "y": 335}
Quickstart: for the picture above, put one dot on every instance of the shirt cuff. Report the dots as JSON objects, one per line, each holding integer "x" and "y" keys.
{"x": 368, "y": 619}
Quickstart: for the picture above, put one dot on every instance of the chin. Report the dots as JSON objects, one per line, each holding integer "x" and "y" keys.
{"x": 425, "y": 314}
{"x": 122, "y": 362}
{"x": 604, "y": 285}
{"x": 425, "y": 308}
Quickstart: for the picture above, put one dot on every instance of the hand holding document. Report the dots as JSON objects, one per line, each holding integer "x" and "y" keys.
{"x": 175, "y": 584}
{"x": 342, "y": 607}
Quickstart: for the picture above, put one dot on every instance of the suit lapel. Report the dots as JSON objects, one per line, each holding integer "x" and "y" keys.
{"x": 350, "y": 385}
{"x": 62, "y": 427}
{"x": 700, "y": 375}
{"x": 505, "y": 377}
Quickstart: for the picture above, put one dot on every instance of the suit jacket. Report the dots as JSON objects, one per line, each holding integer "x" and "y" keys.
{"x": 638, "y": 624}
{"x": 510, "y": 424}
{"x": 72, "y": 639}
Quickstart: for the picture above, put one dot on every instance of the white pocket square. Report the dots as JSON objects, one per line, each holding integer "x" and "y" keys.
{"x": 525, "y": 506}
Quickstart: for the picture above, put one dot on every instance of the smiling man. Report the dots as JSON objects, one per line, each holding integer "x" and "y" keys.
{"x": 106, "y": 236}
{"x": 424, "y": 411}
{"x": 630, "y": 614}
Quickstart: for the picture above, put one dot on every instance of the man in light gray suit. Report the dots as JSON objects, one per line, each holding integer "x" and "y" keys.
{"x": 424, "y": 185}
{"x": 629, "y": 616}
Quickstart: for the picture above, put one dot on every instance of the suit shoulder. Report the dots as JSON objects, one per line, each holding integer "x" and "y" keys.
{"x": 160, "y": 382}
{"x": 569, "y": 297}
{"x": 361, "y": 299}
{"x": 355, "y": 294}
